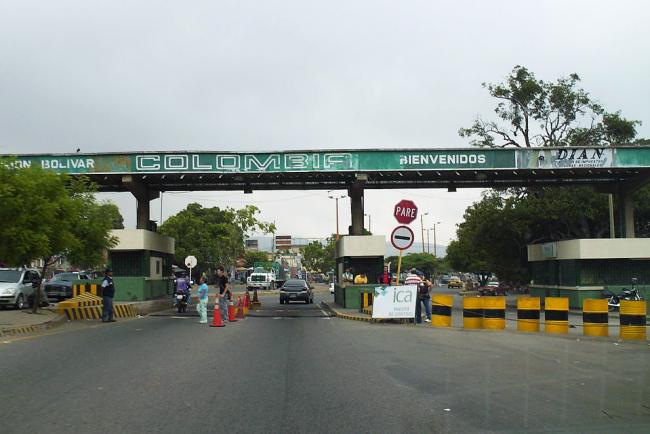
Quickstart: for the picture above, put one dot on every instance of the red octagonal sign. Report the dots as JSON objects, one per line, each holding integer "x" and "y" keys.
{"x": 405, "y": 211}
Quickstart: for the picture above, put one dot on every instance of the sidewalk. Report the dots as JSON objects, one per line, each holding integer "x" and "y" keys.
{"x": 13, "y": 322}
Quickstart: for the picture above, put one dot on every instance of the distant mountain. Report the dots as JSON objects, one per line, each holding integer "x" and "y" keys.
{"x": 265, "y": 244}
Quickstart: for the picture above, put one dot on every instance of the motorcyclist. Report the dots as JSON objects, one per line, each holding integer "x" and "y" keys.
{"x": 182, "y": 287}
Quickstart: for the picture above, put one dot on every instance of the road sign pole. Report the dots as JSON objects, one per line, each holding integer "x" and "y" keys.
{"x": 399, "y": 267}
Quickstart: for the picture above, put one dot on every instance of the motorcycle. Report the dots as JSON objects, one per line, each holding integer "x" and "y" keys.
{"x": 614, "y": 300}
{"x": 181, "y": 301}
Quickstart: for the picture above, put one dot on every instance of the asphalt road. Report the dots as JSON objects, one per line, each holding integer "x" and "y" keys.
{"x": 295, "y": 369}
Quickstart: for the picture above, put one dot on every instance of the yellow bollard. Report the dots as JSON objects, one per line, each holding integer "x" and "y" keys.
{"x": 494, "y": 313}
{"x": 472, "y": 312}
{"x": 528, "y": 314}
{"x": 594, "y": 317}
{"x": 633, "y": 322}
{"x": 441, "y": 310}
{"x": 556, "y": 315}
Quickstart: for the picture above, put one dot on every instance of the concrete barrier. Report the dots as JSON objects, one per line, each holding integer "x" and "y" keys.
{"x": 633, "y": 320}
{"x": 595, "y": 317}
{"x": 528, "y": 309}
{"x": 556, "y": 315}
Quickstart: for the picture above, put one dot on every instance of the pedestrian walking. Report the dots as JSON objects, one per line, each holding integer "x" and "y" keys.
{"x": 202, "y": 306}
{"x": 108, "y": 292}
{"x": 224, "y": 295}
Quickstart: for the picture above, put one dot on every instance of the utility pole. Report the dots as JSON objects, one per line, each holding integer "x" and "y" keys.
{"x": 435, "y": 253}
{"x": 422, "y": 226}
{"x": 336, "y": 198}
{"x": 369, "y": 222}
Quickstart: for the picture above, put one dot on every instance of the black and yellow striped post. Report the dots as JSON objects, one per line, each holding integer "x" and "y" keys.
{"x": 633, "y": 322}
{"x": 556, "y": 315}
{"x": 494, "y": 313}
{"x": 441, "y": 305}
{"x": 365, "y": 300}
{"x": 594, "y": 317}
{"x": 528, "y": 314}
{"x": 472, "y": 312}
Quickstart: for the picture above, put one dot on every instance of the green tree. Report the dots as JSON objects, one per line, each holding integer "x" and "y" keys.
{"x": 532, "y": 112}
{"x": 252, "y": 257}
{"x": 214, "y": 236}
{"x": 46, "y": 215}
{"x": 319, "y": 257}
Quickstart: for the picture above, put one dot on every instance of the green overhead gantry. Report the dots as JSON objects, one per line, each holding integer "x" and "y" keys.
{"x": 617, "y": 170}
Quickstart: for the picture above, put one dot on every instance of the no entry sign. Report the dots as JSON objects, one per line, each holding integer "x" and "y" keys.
{"x": 402, "y": 237}
{"x": 405, "y": 211}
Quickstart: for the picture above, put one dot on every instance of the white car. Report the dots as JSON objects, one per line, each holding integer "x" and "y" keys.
{"x": 16, "y": 286}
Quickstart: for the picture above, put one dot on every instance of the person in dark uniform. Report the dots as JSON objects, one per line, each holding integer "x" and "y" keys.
{"x": 108, "y": 292}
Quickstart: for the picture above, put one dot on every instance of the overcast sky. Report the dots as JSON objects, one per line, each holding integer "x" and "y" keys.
{"x": 271, "y": 75}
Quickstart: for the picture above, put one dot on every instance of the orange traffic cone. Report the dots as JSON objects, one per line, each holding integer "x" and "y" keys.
{"x": 231, "y": 312}
{"x": 247, "y": 302}
{"x": 240, "y": 309}
{"x": 216, "y": 319}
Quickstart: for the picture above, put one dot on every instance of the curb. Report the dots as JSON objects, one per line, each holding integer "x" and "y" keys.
{"x": 20, "y": 330}
{"x": 369, "y": 319}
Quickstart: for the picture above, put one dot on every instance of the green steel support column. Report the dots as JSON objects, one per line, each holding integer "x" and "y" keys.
{"x": 356, "y": 206}
{"x": 143, "y": 196}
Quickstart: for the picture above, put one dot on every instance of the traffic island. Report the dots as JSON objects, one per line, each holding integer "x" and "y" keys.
{"x": 23, "y": 322}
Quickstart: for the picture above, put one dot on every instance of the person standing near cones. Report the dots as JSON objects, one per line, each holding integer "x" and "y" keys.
{"x": 202, "y": 307}
{"x": 224, "y": 293}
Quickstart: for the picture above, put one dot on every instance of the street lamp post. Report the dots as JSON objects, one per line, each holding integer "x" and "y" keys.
{"x": 336, "y": 198}
{"x": 369, "y": 222}
{"x": 435, "y": 254}
{"x": 422, "y": 226}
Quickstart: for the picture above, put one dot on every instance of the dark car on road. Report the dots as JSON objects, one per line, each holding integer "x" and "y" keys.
{"x": 60, "y": 286}
{"x": 296, "y": 290}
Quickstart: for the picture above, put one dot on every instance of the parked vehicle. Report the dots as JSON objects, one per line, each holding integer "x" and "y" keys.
{"x": 614, "y": 300}
{"x": 296, "y": 290}
{"x": 492, "y": 288}
{"x": 60, "y": 286}
{"x": 16, "y": 286}
{"x": 455, "y": 282}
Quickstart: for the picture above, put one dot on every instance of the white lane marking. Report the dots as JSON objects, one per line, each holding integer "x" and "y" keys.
{"x": 181, "y": 317}
{"x": 324, "y": 313}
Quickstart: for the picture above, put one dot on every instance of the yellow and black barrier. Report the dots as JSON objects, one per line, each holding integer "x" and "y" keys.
{"x": 528, "y": 309}
{"x": 633, "y": 320}
{"x": 472, "y": 312}
{"x": 95, "y": 312}
{"x": 556, "y": 315}
{"x": 441, "y": 310}
{"x": 594, "y": 317}
{"x": 78, "y": 313}
{"x": 82, "y": 288}
{"x": 85, "y": 299}
{"x": 366, "y": 299}
{"x": 494, "y": 312}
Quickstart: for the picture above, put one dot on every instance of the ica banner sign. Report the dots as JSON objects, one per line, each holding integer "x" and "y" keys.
{"x": 394, "y": 301}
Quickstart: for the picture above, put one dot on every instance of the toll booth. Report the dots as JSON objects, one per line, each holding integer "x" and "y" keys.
{"x": 357, "y": 254}
{"x": 582, "y": 268}
{"x": 142, "y": 264}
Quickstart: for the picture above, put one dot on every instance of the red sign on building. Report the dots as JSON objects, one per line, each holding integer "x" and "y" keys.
{"x": 405, "y": 211}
